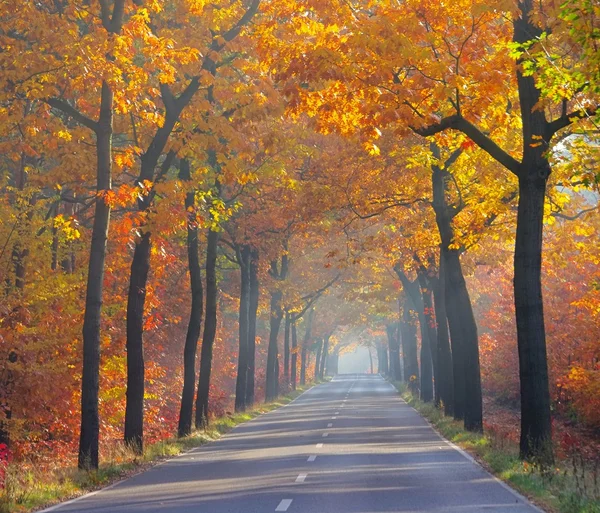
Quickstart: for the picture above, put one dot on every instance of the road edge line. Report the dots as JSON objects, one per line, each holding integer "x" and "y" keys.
{"x": 470, "y": 458}
{"x": 56, "y": 507}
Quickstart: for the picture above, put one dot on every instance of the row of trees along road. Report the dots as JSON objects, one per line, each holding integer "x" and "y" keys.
{"x": 274, "y": 166}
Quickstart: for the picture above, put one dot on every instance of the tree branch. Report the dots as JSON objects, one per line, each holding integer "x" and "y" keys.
{"x": 567, "y": 119}
{"x": 244, "y": 20}
{"x": 72, "y": 112}
{"x": 459, "y": 123}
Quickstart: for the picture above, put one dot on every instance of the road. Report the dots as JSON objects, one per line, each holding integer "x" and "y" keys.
{"x": 348, "y": 446}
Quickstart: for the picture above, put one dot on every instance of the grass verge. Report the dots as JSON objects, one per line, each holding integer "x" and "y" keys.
{"x": 557, "y": 490}
{"x": 28, "y": 488}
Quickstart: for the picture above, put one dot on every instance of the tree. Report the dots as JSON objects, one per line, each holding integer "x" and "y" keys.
{"x": 195, "y": 322}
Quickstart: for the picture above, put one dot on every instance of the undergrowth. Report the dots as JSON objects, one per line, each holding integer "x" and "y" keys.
{"x": 569, "y": 487}
{"x": 28, "y": 488}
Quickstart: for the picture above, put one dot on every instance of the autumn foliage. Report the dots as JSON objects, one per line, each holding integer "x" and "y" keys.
{"x": 355, "y": 148}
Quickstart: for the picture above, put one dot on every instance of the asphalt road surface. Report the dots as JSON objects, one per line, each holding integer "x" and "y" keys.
{"x": 348, "y": 446}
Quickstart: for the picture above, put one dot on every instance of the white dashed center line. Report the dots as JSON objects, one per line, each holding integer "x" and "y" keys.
{"x": 333, "y": 418}
{"x": 319, "y": 446}
{"x": 325, "y": 435}
{"x": 311, "y": 458}
{"x": 330, "y": 425}
{"x": 284, "y": 505}
{"x": 301, "y": 478}
{"x": 337, "y": 412}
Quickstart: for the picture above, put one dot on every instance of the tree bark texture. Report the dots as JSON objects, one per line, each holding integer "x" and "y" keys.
{"x": 446, "y": 378}
{"x": 318, "y": 358}
{"x": 463, "y": 329}
{"x": 134, "y": 408}
{"x": 294, "y": 367}
{"x": 408, "y": 330}
{"x": 252, "y": 311}
{"x": 286, "y": 346}
{"x": 272, "y": 385}
{"x": 413, "y": 293}
{"x": 90, "y": 424}
{"x": 193, "y": 332}
{"x": 428, "y": 325}
{"x": 243, "y": 318}
{"x": 324, "y": 356}
{"x": 394, "y": 348}
{"x": 210, "y": 330}
{"x": 536, "y": 422}
{"x": 304, "y": 348}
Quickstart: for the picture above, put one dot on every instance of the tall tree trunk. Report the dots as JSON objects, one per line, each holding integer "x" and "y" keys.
{"x": 272, "y": 384}
{"x": 136, "y": 300}
{"x": 413, "y": 293}
{"x": 294, "y": 368}
{"x": 382, "y": 359}
{"x": 430, "y": 329}
{"x": 90, "y": 424}
{"x": 318, "y": 358}
{"x": 394, "y": 347}
{"x": 134, "y": 408}
{"x": 304, "y": 349}
{"x": 466, "y": 353}
{"x": 463, "y": 329}
{"x": 140, "y": 266}
{"x": 252, "y": 311}
{"x": 371, "y": 360}
{"x": 20, "y": 253}
{"x": 408, "y": 329}
{"x": 446, "y": 378}
{"x": 286, "y": 347}
{"x": 536, "y": 426}
{"x": 195, "y": 323}
{"x": 536, "y": 422}
{"x": 210, "y": 330}
{"x": 324, "y": 356}
{"x": 242, "y": 370}
{"x": 303, "y": 364}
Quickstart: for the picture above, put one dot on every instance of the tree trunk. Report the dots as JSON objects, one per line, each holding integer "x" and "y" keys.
{"x": 90, "y": 425}
{"x": 252, "y": 311}
{"x": 536, "y": 421}
{"x": 428, "y": 326}
{"x": 305, "y": 342}
{"x": 286, "y": 347}
{"x": 382, "y": 359}
{"x": 324, "y": 357}
{"x": 318, "y": 359}
{"x": 272, "y": 384}
{"x": 134, "y": 408}
{"x": 242, "y": 370}
{"x": 463, "y": 329}
{"x": 536, "y": 424}
{"x": 394, "y": 347}
{"x": 413, "y": 293}
{"x": 294, "y": 368}
{"x": 210, "y": 330}
{"x": 371, "y": 360}
{"x": 446, "y": 378}
{"x": 20, "y": 253}
{"x": 409, "y": 345}
{"x": 303, "y": 364}
{"x": 195, "y": 323}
